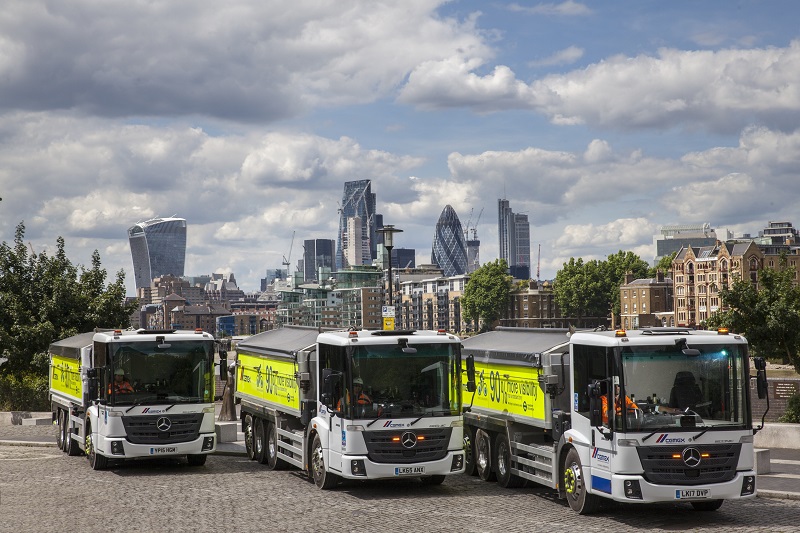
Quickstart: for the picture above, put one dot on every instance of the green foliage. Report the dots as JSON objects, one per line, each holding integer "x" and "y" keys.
{"x": 28, "y": 392}
{"x": 792, "y": 413}
{"x": 486, "y": 293}
{"x": 591, "y": 289}
{"x": 45, "y": 299}
{"x": 664, "y": 265}
{"x": 768, "y": 315}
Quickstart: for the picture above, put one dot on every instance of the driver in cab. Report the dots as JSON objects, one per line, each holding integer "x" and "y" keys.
{"x": 619, "y": 406}
{"x": 120, "y": 385}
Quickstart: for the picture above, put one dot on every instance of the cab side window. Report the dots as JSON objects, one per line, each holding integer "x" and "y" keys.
{"x": 590, "y": 363}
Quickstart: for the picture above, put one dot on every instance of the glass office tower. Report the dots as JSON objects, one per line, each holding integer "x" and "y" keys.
{"x": 158, "y": 248}
{"x": 449, "y": 251}
{"x": 358, "y": 200}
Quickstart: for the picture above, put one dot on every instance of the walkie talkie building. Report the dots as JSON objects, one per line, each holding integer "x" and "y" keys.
{"x": 158, "y": 248}
{"x": 449, "y": 251}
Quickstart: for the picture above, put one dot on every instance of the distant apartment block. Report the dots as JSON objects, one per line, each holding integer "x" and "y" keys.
{"x": 646, "y": 302}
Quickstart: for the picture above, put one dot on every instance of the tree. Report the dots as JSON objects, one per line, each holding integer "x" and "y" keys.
{"x": 579, "y": 289}
{"x": 48, "y": 298}
{"x": 767, "y": 314}
{"x": 664, "y": 265}
{"x": 486, "y": 293}
{"x": 591, "y": 289}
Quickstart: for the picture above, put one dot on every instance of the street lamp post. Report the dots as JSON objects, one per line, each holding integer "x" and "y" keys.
{"x": 388, "y": 232}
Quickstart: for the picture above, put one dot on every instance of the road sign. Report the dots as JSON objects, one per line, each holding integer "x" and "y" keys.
{"x": 388, "y": 323}
{"x": 387, "y": 311}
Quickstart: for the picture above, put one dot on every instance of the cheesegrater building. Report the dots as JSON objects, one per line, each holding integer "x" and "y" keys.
{"x": 158, "y": 248}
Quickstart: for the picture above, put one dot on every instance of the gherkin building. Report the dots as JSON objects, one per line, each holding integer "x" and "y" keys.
{"x": 449, "y": 251}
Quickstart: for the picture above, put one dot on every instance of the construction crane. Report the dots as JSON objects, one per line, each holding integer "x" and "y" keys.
{"x": 288, "y": 259}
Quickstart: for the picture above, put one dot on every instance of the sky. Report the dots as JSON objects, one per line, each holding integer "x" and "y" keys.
{"x": 602, "y": 121}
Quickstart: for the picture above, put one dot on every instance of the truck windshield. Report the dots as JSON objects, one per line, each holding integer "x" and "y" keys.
{"x": 677, "y": 391}
{"x": 395, "y": 383}
{"x": 149, "y": 373}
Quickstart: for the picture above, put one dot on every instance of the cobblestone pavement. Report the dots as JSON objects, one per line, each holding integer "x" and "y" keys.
{"x": 42, "y": 489}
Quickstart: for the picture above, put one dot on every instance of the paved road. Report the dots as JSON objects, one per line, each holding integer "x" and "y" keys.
{"x": 41, "y": 489}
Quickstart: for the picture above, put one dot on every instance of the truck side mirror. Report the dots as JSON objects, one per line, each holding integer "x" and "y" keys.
{"x": 331, "y": 388}
{"x": 761, "y": 376}
{"x": 596, "y": 391}
{"x": 471, "y": 373}
{"x": 223, "y": 365}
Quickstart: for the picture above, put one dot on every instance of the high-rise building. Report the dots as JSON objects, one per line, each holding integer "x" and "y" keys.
{"x": 358, "y": 200}
{"x": 317, "y": 253}
{"x": 514, "y": 237}
{"x": 158, "y": 248}
{"x": 404, "y": 258}
{"x": 352, "y": 242}
{"x": 449, "y": 251}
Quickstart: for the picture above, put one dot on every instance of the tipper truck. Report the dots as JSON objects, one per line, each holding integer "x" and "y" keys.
{"x": 651, "y": 415}
{"x": 352, "y": 404}
{"x": 130, "y": 394}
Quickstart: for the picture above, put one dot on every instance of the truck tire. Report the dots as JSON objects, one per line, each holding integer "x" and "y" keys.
{"x": 483, "y": 455}
{"x": 71, "y": 445}
{"x": 96, "y": 461}
{"x": 259, "y": 441}
{"x": 469, "y": 451}
{"x": 712, "y": 505}
{"x": 60, "y": 434}
{"x": 247, "y": 429}
{"x": 575, "y": 486}
{"x": 197, "y": 459}
{"x": 316, "y": 466}
{"x": 502, "y": 463}
{"x": 271, "y": 447}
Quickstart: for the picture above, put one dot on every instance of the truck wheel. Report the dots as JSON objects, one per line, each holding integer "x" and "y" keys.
{"x": 575, "y": 486}
{"x": 71, "y": 445}
{"x": 273, "y": 463}
{"x": 322, "y": 478}
{"x": 248, "y": 436}
{"x": 259, "y": 441}
{"x": 60, "y": 434}
{"x": 432, "y": 480}
{"x": 712, "y": 505}
{"x": 96, "y": 461}
{"x": 469, "y": 451}
{"x": 197, "y": 459}
{"x": 483, "y": 455}
{"x": 502, "y": 461}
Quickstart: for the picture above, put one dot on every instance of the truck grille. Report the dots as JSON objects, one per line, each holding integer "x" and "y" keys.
{"x": 430, "y": 444}
{"x": 145, "y": 430}
{"x": 665, "y": 464}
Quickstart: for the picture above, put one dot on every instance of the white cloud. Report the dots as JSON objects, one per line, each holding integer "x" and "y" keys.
{"x": 717, "y": 90}
{"x": 247, "y": 60}
{"x": 566, "y": 8}
{"x": 562, "y": 57}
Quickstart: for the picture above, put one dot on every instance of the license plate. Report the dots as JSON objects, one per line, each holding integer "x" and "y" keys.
{"x": 692, "y": 494}
{"x": 409, "y": 471}
{"x": 163, "y": 449}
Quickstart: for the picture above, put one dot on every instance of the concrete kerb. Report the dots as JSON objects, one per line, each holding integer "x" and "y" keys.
{"x": 17, "y": 418}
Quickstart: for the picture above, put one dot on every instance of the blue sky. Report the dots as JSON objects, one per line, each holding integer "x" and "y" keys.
{"x": 600, "y": 120}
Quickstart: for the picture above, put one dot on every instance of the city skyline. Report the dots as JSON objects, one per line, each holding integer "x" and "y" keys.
{"x": 600, "y": 122}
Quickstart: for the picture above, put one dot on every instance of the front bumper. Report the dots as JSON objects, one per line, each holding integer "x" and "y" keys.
{"x": 650, "y": 493}
{"x": 120, "y": 448}
{"x": 452, "y": 463}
